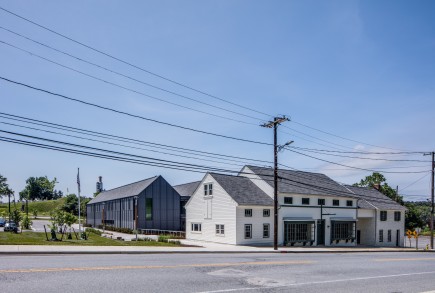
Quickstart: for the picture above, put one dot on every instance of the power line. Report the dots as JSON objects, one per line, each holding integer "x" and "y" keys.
{"x": 414, "y": 182}
{"x": 123, "y": 87}
{"x": 361, "y": 152}
{"x": 123, "y": 139}
{"x": 117, "y": 144}
{"x": 168, "y": 79}
{"x": 363, "y": 158}
{"x": 133, "y": 115}
{"x": 132, "y": 65}
{"x": 363, "y": 169}
{"x": 126, "y": 76}
{"x": 158, "y": 162}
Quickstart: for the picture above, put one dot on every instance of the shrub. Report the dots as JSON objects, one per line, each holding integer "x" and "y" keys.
{"x": 26, "y": 223}
{"x": 95, "y": 231}
{"x": 87, "y": 225}
{"x": 116, "y": 229}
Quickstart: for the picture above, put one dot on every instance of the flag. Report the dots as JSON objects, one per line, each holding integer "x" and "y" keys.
{"x": 78, "y": 178}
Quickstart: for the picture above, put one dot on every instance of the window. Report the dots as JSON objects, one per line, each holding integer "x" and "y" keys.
{"x": 266, "y": 213}
{"x": 220, "y": 229}
{"x": 248, "y": 212}
{"x": 208, "y": 189}
{"x": 305, "y": 200}
{"x": 248, "y": 231}
{"x": 196, "y": 227}
{"x": 298, "y": 232}
{"x": 383, "y": 215}
{"x": 381, "y": 235}
{"x": 149, "y": 209}
{"x": 389, "y": 236}
{"x": 266, "y": 230}
{"x": 342, "y": 230}
{"x": 336, "y": 202}
{"x": 397, "y": 216}
{"x": 321, "y": 201}
{"x": 288, "y": 200}
{"x": 349, "y": 203}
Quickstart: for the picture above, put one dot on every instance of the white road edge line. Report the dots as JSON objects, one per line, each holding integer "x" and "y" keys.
{"x": 319, "y": 282}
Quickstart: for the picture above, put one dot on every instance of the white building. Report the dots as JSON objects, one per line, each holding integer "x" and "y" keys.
{"x": 313, "y": 210}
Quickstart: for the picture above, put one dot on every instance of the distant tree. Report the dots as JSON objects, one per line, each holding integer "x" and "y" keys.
{"x": 71, "y": 205}
{"x": 39, "y": 188}
{"x": 418, "y": 214}
{"x": 379, "y": 179}
{"x": 4, "y": 187}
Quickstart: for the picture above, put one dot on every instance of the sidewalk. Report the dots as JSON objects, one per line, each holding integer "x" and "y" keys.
{"x": 191, "y": 247}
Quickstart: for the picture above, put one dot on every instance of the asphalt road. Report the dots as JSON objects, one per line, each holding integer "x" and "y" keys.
{"x": 352, "y": 272}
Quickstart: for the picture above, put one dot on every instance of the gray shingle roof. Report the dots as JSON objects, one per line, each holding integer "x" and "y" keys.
{"x": 128, "y": 190}
{"x": 242, "y": 190}
{"x": 372, "y": 198}
{"x": 300, "y": 182}
{"x": 187, "y": 189}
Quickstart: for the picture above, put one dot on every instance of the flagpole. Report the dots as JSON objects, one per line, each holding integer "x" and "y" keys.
{"x": 78, "y": 186}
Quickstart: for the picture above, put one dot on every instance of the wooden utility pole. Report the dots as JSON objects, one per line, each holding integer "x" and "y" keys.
{"x": 432, "y": 202}
{"x": 432, "y": 198}
{"x": 274, "y": 124}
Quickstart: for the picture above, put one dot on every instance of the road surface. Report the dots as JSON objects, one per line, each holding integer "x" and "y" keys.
{"x": 326, "y": 272}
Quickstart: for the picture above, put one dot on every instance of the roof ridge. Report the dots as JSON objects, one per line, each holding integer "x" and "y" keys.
{"x": 156, "y": 176}
{"x": 281, "y": 169}
{"x": 198, "y": 181}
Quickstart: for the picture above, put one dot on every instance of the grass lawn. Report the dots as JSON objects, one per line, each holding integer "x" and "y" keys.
{"x": 35, "y": 238}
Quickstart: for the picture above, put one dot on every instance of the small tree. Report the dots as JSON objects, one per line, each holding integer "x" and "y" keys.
{"x": 26, "y": 223}
{"x": 57, "y": 219}
{"x": 16, "y": 217}
{"x": 35, "y": 213}
{"x": 70, "y": 219}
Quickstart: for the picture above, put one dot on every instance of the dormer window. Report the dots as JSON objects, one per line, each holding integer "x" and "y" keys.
{"x": 208, "y": 189}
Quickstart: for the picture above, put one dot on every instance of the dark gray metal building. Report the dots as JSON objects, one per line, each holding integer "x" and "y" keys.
{"x": 158, "y": 206}
{"x": 185, "y": 190}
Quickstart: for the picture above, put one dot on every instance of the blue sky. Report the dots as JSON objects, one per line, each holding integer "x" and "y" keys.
{"x": 363, "y": 70}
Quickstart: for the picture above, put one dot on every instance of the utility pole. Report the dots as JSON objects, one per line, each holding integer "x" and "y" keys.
{"x": 432, "y": 198}
{"x": 274, "y": 124}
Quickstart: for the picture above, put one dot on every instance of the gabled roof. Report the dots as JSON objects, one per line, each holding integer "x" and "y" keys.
{"x": 372, "y": 198}
{"x": 242, "y": 190}
{"x": 300, "y": 182}
{"x": 128, "y": 190}
{"x": 187, "y": 189}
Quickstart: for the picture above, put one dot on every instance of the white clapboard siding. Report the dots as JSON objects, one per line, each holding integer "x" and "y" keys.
{"x": 257, "y": 220}
{"x": 223, "y": 212}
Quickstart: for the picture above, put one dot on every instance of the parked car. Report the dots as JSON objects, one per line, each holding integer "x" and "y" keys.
{"x": 2, "y": 222}
{"x": 11, "y": 226}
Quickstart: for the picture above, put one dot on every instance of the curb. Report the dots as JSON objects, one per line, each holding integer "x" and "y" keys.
{"x": 200, "y": 252}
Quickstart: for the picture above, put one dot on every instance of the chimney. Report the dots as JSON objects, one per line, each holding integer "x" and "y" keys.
{"x": 377, "y": 186}
{"x": 100, "y": 184}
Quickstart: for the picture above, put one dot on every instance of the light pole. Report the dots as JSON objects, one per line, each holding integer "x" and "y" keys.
{"x": 135, "y": 214}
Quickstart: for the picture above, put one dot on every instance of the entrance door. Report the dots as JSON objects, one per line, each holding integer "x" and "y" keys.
{"x": 358, "y": 236}
{"x": 397, "y": 238}
{"x": 321, "y": 232}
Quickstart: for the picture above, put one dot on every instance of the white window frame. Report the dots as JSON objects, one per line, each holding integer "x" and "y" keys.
{"x": 266, "y": 212}
{"x": 220, "y": 230}
{"x": 268, "y": 230}
{"x": 248, "y": 213}
{"x": 250, "y": 231}
{"x": 196, "y": 227}
{"x": 208, "y": 189}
